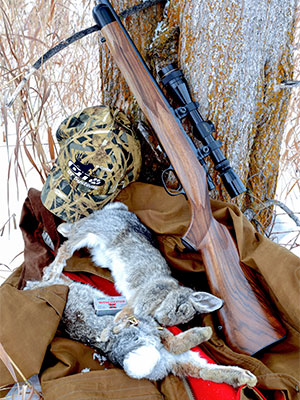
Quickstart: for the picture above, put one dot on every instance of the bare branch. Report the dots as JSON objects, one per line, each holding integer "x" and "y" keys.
{"x": 65, "y": 43}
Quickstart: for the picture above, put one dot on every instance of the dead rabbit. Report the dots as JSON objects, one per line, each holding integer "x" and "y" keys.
{"x": 117, "y": 240}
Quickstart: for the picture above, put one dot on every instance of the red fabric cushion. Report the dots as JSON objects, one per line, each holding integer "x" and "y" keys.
{"x": 207, "y": 390}
{"x": 93, "y": 280}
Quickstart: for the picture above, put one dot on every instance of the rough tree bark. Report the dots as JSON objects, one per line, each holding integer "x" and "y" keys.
{"x": 234, "y": 55}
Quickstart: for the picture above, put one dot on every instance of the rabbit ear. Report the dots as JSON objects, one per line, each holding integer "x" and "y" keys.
{"x": 64, "y": 228}
{"x": 205, "y": 302}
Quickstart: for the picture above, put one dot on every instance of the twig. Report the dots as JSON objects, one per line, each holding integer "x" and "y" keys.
{"x": 289, "y": 212}
{"x": 13, "y": 217}
{"x": 289, "y": 84}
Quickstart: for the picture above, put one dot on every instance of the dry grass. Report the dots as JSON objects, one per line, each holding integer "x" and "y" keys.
{"x": 68, "y": 82}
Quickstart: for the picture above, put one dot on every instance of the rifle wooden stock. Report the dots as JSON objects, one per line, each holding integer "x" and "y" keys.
{"x": 247, "y": 317}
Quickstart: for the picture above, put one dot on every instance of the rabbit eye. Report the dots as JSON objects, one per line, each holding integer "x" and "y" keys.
{"x": 184, "y": 308}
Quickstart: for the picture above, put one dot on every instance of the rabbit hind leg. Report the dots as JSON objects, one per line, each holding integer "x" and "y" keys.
{"x": 185, "y": 340}
{"x": 193, "y": 365}
{"x": 234, "y": 376}
{"x": 54, "y": 270}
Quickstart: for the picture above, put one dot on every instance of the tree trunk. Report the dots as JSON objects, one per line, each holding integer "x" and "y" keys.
{"x": 234, "y": 55}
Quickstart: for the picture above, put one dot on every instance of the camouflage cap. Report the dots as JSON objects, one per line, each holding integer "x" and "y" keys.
{"x": 99, "y": 155}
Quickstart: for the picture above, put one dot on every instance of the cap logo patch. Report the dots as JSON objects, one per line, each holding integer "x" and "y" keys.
{"x": 79, "y": 171}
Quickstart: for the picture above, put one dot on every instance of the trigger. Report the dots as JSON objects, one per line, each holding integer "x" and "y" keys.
{"x": 171, "y": 183}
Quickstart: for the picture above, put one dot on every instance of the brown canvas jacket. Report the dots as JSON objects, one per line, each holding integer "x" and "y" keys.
{"x": 29, "y": 320}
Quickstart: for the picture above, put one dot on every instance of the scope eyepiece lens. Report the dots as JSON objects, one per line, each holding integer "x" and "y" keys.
{"x": 232, "y": 183}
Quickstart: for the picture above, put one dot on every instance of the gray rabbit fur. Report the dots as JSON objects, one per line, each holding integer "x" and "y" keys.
{"x": 117, "y": 240}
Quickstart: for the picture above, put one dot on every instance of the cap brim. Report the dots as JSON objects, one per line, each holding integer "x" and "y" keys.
{"x": 67, "y": 202}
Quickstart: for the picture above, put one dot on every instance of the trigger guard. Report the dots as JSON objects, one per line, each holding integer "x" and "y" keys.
{"x": 180, "y": 189}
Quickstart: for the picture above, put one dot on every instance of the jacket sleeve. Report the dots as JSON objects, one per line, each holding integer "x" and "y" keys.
{"x": 35, "y": 222}
{"x": 29, "y": 322}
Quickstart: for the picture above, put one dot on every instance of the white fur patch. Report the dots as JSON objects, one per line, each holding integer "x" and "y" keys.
{"x": 140, "y": 362}
{"x": 89, "y": 240}
{"x": 116, "y": 205}
{"x": 64, "y": 229}
{"x": 119, "y": 273}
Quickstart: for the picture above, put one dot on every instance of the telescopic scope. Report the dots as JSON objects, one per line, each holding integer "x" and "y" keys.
{"x": 173, "y": 80}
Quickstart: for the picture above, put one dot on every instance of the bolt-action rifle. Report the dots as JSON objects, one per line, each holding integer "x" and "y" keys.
{"x": 247, "y": 317}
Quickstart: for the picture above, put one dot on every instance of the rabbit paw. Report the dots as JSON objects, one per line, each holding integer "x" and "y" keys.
{"x": 49, "y": 274}
{"x": 247, "y": 378}
{"x": 204, "y": 333}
